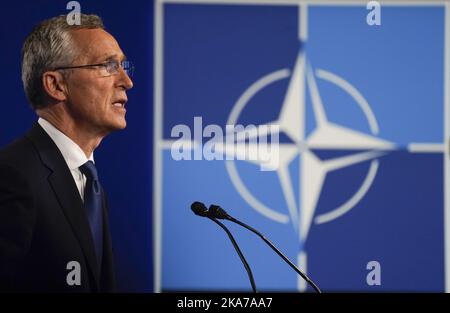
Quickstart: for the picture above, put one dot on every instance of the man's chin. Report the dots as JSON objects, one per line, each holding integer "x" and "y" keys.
{"x": 117, "y": 125}
{"x": 121, "y": 126}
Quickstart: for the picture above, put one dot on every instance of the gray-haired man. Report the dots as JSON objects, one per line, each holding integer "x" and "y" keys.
{"x": 54, "y": 233}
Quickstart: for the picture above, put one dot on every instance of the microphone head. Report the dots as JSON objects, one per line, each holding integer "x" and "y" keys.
{"x": 217, "y": 212}
{"x": 199, "y": 209}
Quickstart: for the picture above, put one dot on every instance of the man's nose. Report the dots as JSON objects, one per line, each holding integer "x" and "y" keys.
{"x": 125, "y": 80}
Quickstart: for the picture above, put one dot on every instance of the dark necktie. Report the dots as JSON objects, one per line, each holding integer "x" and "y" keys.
{"x": 93, "y": 204}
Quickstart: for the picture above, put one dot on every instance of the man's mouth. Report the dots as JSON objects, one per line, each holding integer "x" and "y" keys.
{"x": 119, "y": 103}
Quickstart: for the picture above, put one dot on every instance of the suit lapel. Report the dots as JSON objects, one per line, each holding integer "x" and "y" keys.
{"x": 107, "y": 278}
{"x": 65, "y": 189}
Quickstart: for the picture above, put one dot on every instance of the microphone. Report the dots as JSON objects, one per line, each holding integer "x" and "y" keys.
{"x": 219, "y": 213}
{"x": 200, "y": 209}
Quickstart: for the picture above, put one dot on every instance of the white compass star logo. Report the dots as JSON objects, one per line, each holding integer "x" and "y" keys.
{"x": 326, "y": 135}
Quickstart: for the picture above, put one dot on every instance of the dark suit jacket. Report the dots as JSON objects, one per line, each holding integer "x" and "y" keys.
{"x": 43, "y": 224}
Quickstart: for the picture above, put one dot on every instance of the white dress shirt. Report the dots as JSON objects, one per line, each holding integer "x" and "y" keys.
{"x": 71, "y": 152}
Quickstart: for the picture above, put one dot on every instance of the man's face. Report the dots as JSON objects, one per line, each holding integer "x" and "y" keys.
{"x": 97, "y": 103}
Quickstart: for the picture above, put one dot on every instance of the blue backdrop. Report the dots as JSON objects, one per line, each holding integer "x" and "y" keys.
{"x": 356, "y": 190}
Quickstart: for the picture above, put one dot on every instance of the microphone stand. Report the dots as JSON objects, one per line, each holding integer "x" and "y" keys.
{"x": 220, "y": 213}
{"x": 239, "y": 252}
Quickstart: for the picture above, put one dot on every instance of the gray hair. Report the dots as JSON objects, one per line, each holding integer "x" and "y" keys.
{"x": 48, "y": 46}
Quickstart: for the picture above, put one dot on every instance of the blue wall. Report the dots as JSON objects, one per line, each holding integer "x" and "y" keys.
{"x": 217, "y": 55}
{"x": 125, "y": 158}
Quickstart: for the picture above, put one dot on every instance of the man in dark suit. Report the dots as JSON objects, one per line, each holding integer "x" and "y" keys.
{"x": 54, "y": 233}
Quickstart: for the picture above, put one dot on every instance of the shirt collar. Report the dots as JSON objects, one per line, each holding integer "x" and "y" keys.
{"x": 72, "y": 153}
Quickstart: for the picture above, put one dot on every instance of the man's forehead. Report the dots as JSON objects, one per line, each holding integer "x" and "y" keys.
{"x": 97, "y": 44}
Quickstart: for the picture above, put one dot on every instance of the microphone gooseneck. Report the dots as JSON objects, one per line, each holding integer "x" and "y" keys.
{"x": 239, "y": 252}
{"x": 200, "y": 209}
{"x": 217, "y": 212}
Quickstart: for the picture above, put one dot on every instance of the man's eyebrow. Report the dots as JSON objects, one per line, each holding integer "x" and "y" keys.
{"x": 114, "y": 57}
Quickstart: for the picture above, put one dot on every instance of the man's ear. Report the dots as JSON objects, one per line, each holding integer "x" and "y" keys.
{"x": 55, "y": 85}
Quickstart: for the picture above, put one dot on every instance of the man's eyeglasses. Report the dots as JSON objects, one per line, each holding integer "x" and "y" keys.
{"x": 108, "y": 68}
